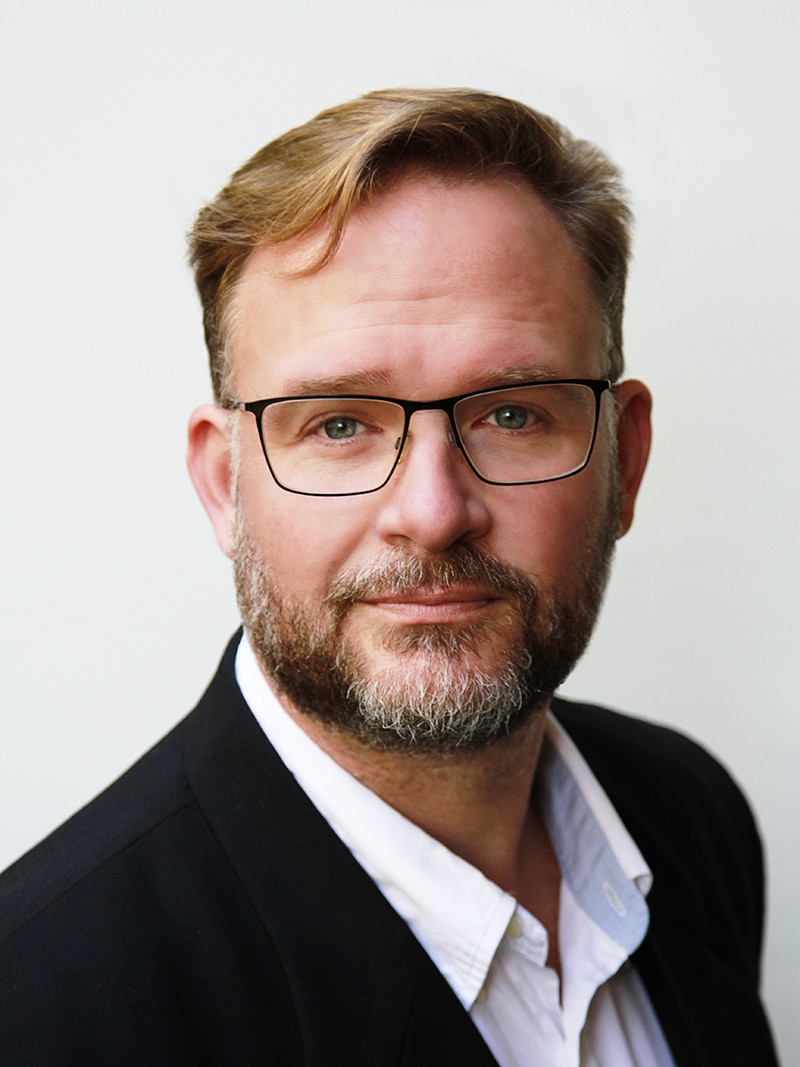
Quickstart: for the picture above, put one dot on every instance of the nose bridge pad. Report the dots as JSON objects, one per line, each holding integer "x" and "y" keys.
{"x": 454, "y": 444}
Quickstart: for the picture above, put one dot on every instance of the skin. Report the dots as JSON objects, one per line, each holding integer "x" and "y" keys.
{"x": 436, "y": 289}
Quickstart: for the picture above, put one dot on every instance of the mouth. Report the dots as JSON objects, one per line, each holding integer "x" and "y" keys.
{"x": 454, "y": 605}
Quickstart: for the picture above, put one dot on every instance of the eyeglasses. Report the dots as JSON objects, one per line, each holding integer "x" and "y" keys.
{"x": 350, "y": 445}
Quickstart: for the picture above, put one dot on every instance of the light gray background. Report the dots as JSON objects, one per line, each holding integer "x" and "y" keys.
{"x": 120, "y": 119}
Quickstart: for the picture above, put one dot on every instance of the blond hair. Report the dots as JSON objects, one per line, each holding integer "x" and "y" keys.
{"x": 327, "y": 168}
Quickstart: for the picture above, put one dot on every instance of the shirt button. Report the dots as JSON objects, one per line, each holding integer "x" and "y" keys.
{"x": 514, "y": 928}
{"x": 613, "y": 899}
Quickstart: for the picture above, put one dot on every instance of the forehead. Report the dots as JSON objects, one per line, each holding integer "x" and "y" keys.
{"x": 433, "y": 279}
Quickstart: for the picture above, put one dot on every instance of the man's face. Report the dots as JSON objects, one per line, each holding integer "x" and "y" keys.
{"x": 439, "y": 610}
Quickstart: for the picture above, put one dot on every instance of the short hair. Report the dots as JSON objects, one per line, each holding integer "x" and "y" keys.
{"x": 325, "y": 170}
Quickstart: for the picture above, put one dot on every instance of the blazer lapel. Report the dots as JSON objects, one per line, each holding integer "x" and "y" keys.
{"x": 360, "y": 980}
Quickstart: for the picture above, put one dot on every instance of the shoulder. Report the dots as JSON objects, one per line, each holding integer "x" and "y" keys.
{"x": 669, "y": 771}
{"x": 124, "y": 909}
{"x": 141, "y": 801}
{"x": 149, "y": 810}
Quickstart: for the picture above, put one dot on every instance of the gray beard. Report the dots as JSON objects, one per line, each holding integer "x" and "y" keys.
{"x": 433, "y": 700}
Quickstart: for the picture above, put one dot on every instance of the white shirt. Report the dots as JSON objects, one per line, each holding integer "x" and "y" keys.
{"x": 489, "y": 948}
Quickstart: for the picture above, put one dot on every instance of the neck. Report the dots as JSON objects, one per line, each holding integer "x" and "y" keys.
{"x": 478, "y": 803}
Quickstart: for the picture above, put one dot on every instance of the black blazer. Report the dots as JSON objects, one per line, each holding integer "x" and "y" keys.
{"x": 201, "y": 911}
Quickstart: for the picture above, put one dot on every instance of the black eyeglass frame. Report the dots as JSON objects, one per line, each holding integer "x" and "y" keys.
{"x": 448, "y": 404}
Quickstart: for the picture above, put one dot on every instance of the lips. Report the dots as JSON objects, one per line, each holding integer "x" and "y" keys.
{"x": 434, "y": 605}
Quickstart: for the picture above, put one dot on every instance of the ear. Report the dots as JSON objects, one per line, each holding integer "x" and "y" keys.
{"x": 209, "y": 462}
{"x": 634, "y": 433}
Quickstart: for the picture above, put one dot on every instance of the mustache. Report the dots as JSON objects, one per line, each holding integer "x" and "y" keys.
{"x": 396, "y": 572}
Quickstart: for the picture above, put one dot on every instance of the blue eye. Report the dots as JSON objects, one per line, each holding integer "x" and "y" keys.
{"x": 339, "y": 428}
{"x": 510, "y": 417}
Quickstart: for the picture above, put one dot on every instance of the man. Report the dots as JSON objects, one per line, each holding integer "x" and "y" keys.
{"x": 379, "y": 839}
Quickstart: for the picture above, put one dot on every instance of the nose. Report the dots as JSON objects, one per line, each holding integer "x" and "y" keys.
{"x": 433, "y": 499}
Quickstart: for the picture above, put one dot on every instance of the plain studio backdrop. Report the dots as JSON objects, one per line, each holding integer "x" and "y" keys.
{"x": 119, "y": 120}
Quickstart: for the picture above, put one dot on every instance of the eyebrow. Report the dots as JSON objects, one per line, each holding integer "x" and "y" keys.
{"x": 514, "y": 375}
{"x": 357, "y": 382}
{"x": 379, "y": 381}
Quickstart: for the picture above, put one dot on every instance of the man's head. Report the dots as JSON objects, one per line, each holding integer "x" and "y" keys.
{"x": 438, "y": 610}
